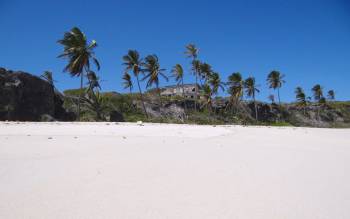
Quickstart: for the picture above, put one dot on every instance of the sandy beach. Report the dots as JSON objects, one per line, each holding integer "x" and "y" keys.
{"x": 110, "y": 170}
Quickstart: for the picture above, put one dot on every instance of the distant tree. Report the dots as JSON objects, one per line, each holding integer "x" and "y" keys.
{"x": 331, "y": 95}
{"x": 93, "y": 81}
{"x": 134, "y": 63}
{"x": 47, "y": 76}
{"x": 301, "y": 98}
{"x": 317, "y": 91}
{"x": 205, "y": 71}
{"x": 251, "y": 90}
{"x": 192, "y": 52}
{"x": 79, "y": 54}
{"x": 235, "y": 87}
{"x": 95, "y": 102}
{"x": 207, "y": 93}
{"x": 271, "y": 98}
{"x": 178, "y": 72}
{"x": 215, "y": 83}
{"x": 275, "y": 81}
{"x": 153, "y": 73}
{"x": 127, "y": 82}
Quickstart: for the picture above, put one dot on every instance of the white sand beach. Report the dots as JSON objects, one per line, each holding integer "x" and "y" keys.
{"x": 110, "y": 170}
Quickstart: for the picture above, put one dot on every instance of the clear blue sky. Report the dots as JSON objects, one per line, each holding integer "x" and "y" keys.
{"x": 308, "y": 41}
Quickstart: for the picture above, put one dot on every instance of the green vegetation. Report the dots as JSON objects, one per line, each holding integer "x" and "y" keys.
{"x": 90, "y": 104}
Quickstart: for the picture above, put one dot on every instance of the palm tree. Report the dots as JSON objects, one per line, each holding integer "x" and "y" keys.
{"x": 331, "y": 95}
{"x": 205, "y": 71}
{"x": 317, "y": 91}
{"x": 207, "y": 93}
{"x": 93, "y": 81}
{"x": 134, "y": 63}
{"x": 178, "y": 73}
{"x": 216, "y": 83}
{"x": 127, "y": 82}
{"x": 95, "y": 102}
{"x": 251, "y": 90}
{"x": 153, "y": 70}
{"x": 192, "y": 52}
{"x": 301, "y": 98}
{"x": 275, "y": 81}
{"x": 271, "y": 98}
{"x": 235, "y": 87}
{"x": 47, "y": 76}
{"x": 79, "y": 54}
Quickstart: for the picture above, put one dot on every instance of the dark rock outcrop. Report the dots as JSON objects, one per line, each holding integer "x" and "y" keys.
{"x": 25, "y": 97}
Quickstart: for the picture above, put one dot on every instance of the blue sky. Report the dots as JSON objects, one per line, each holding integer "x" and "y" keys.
{"x": 308, "y": 41}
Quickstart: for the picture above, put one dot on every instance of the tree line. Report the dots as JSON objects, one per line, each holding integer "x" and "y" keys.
{"x": 81, "y": 55}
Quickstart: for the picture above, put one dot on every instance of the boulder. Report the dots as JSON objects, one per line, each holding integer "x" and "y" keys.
{"x": 25, "y": 97}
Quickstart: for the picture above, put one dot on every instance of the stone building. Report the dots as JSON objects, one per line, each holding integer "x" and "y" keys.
{"x": 177, "y": 90}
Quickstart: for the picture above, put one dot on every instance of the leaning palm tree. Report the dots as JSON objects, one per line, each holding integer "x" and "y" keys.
{"x": 331, "y": 95}
{"x": 235, "y": 87}
{"x": 127, "y": 82}
{"x": 275, "y": 81}
{"x": 153, "y": 72}
{"x": 207, "y": 93}
{"x": 79, "y": 54}
{"x": 192, "y": 52}
{"x": 96, "y": 103}
{"x": 301, "y": 98}
{"x": 133, "y": 62}
{"x": 205, "y": 71}
{"x": 251, "y": 90}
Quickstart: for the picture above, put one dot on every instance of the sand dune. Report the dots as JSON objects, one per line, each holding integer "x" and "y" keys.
{"x": 109, "y": 170}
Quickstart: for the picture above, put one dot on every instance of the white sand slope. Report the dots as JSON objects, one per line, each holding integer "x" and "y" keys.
{"x": 107, "y": 170}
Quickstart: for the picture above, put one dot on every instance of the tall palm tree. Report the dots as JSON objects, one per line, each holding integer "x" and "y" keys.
{"x": 153, "y": 72}
{"x": 331, "y": 95}
{"x": 205, "y": 71}
{"x": 79, "y": 54}
{"x": 275, "y": 81}
{"x": 251, "y": 90}
{"x": 133, "y": 62}
{"x": 192, "y": 52}
{"x": 127, "y": 82}
{"x": 236, "y": 85}
{"x": 301, "y": 98}
{"x": 207, "y": 93}
{"x": 317, "y": 91}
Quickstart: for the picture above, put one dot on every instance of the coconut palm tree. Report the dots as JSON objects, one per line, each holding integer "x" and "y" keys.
{"x": 192, "y": 52}
{"x": 47, "y": 76}
{"x": 301, "y": 98}
{"x": 216, "y": 83}
{"x": 93, "y": 81}
{"x": 134, "y": 63}
{"x": 235, "y": 88}
{"x": 95, "y": 102}
{"x": 127, "y": 82}
{"x": 331, "y": 95}
{"x": 79, "y": 54}
{"x": 178, "y": 72}
{"x": 205, "y": 71}
{"x": 153, "y": 72}
{"x": 317, "y": 91}
{"x": 275, "y": 81}
{"x": 207, "y": 93}
{"x": 251, "y": 90}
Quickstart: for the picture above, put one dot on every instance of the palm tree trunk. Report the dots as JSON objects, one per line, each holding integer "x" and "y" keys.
{"x": 195, "y": 95}
{"x": 279, "y": 99}
{"x": 256, "y": 109}
{"x": 160, "y": 97}
{"x": 141, "y": 96}
{"x": 80, "y": 93}
{"x": 183, "y": 94}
